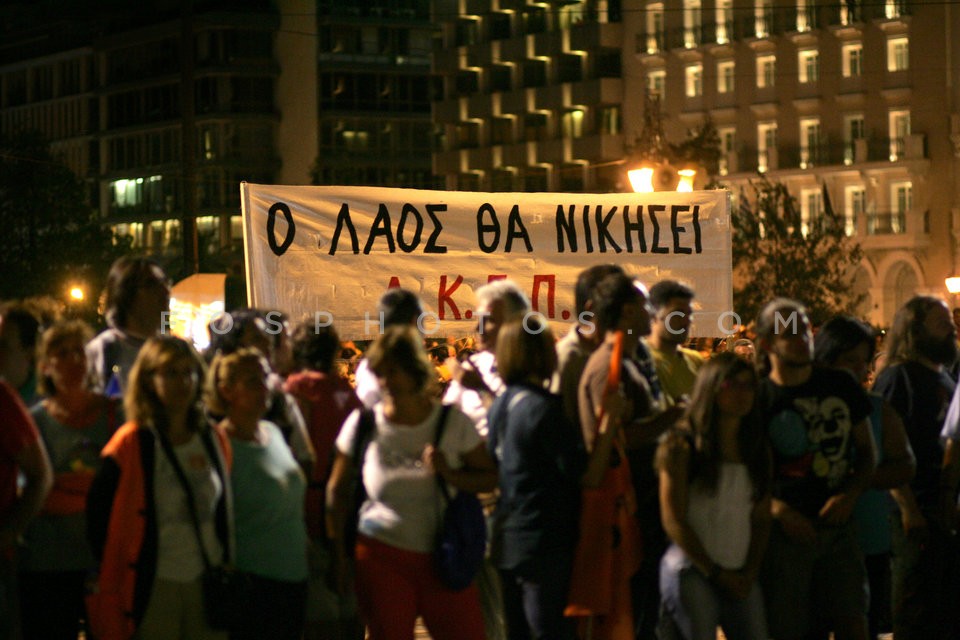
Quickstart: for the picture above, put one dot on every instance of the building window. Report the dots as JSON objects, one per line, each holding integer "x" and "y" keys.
{"x": 725, "y": 76}
{"x": 724, "y": 18}
{"x": 766, "y": 71}
{"x": 694, "y": 80}
{"x": 809, "y": 62}
{"x": 811, "y": 208}
{"x": 854, "y": 129}
{"x": 657, "y": 83}
{"x": 501, "y": 77}
{"x": 534, "y": 73}
{"x": 501, "y": 130}
{"x": 809, "y": 142}
{"x": 766, "y": 145}
{"x": 570, "y": 67}
{"x": 901, "y": 199}
{"x": 899, "y": 130}
{"x": 535, "y": 126}
{"x": 852, "y": 60}
{"x": 850, "y": 11}
{"x": 468, "y": 135}
{"x": 893, "y": 8}
{"x": 655, "y": 42}
{"x": 573, "y": 123}
{"x": 854, "y": 207}
{"x": 763, "y": 18}
{"x": 727, "y": 137}
{"x": 610, "y": 121}
{"x": 898, "y": 54}
{"x": 498, "y": 25}
{"x": 691, "y": 23}
{"x": 466, "y": 32}
{"x": 804, "y": 15}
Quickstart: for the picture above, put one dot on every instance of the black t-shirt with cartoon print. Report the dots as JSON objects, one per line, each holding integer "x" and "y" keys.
{"x": 811, "y": 431}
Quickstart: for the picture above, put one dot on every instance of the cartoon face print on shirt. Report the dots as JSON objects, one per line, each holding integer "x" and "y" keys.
{"x": 816, "y": 432}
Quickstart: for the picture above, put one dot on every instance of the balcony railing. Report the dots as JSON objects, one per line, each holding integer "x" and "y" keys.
{"x": 886, "y": 223}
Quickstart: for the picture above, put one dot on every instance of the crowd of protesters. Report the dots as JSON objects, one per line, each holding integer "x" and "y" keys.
{"x": 637, "y": 483}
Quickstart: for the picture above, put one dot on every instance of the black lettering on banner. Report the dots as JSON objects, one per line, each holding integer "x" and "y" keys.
{"x": 381, "y": 227}
{"x": 677, "y": 229}
{"x": 603, "y": 236}
{"x": 587, "y": 237}
{"x": 432, "y": 246}
{"x": 492, "y": 227}
{"x": 407, "y": 210}
{"x": 272, "y": 223}
{"x": 515, "y": 229}
{"x": 566, "y": 226}
{"x": 630, "y": 227}
{"x": 697, "y": 240}
{"x": 652, "y": 211}
{"x": 343, "y": 220}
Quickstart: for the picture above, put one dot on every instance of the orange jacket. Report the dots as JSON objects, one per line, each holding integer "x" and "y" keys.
{"x": 122, "y": 528}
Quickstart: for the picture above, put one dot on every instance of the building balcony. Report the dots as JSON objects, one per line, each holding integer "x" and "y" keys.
{"x": 881, "y": 223}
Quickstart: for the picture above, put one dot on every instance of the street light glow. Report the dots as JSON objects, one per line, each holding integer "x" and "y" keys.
{"x": 686, "y": 180}
{"x": 76, "y": 293}
{"x": 641, "y": 179}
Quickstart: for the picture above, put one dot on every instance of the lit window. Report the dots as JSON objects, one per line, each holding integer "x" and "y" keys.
{"x": 763, "y": 18}
{"x": 809, "y": 63}
{"x": 852, "y": 60}
{"x": 893, "y": 8}
{"x": 573, "y": 123}
{"x": 656, "y": 83}
{"x": 899, "y": 130}
{"x": 901, "y": 199}
{"x": 853, "y": 129}
{"x": 811, "y": 208}
{"x": 804, "y": 15}
{"x": 691, "y": 23}
{"x": 725, "y": 74}
{"x": 898, "y": 54}
{"x": 655, "y": 27}
{"x": 854, "y": 207}
{"x": 766, "y": 71}
{"x": 809, "y": 142}
{"x": 766, "y": 145}
{"x": 728, "y": 136}
{"x": 694, "y": 80}
{"x": 724, "y": 17}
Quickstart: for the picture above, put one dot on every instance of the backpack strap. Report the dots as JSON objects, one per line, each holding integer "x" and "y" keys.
{"x": 441, "y": 423}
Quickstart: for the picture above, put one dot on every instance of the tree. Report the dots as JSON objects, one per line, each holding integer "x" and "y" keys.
{"x": 776, "y": 254}
{"x": 51, "y": 236}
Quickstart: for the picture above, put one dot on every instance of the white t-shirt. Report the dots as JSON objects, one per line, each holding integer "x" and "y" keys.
{"x": 470, "y": 401}
{"x": 722, "y": 520}
{"x": 178, "y": 555}
{"x": 404, "y": 503}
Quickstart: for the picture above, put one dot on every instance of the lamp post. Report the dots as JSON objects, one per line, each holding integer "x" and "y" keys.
{"x": 649, "y": 168}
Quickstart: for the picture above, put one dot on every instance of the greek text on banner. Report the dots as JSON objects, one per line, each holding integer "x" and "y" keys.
{"x": 335, "y": 250}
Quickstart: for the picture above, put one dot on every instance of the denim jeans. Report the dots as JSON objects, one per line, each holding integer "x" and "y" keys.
{"x": 698, "y": 607}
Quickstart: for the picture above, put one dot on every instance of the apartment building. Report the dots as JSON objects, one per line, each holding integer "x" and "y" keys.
{"x": 851, "y": 100}
{"x": 532, "y": 95}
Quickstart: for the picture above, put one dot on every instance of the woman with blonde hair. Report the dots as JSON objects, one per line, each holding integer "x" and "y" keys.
{"x": 269, "y": 488}
{"x": 75, "y": 423}
{"x": 159, "y": 509}
{"x": 399, "y": 521}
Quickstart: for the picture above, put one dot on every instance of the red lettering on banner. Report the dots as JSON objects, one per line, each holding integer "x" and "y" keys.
{"x": 551, "y": 282}
{"x": 495, "y": 277}
{"x": 445, "y": 296}
{"x": 394, "y": 283}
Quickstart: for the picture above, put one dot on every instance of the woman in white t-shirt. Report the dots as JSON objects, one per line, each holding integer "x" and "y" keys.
{"x": 715, "y": 504}
{"x": 399, "y": 520}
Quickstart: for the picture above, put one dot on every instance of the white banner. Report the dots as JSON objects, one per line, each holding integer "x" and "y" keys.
{"x": 331, "y": 252}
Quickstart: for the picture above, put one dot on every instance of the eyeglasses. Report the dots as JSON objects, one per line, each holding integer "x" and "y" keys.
{"x": 738, "y": 385}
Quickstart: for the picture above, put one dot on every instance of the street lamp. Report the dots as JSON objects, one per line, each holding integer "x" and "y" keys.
{"x": 953, "y": 284}
{"x": 76, "y": 294}
{"x": 641, "y": 179}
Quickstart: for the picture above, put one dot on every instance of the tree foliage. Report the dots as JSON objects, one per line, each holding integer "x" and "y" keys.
{"x": 775, "y": 254}
{"x": 51, "y": 236}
